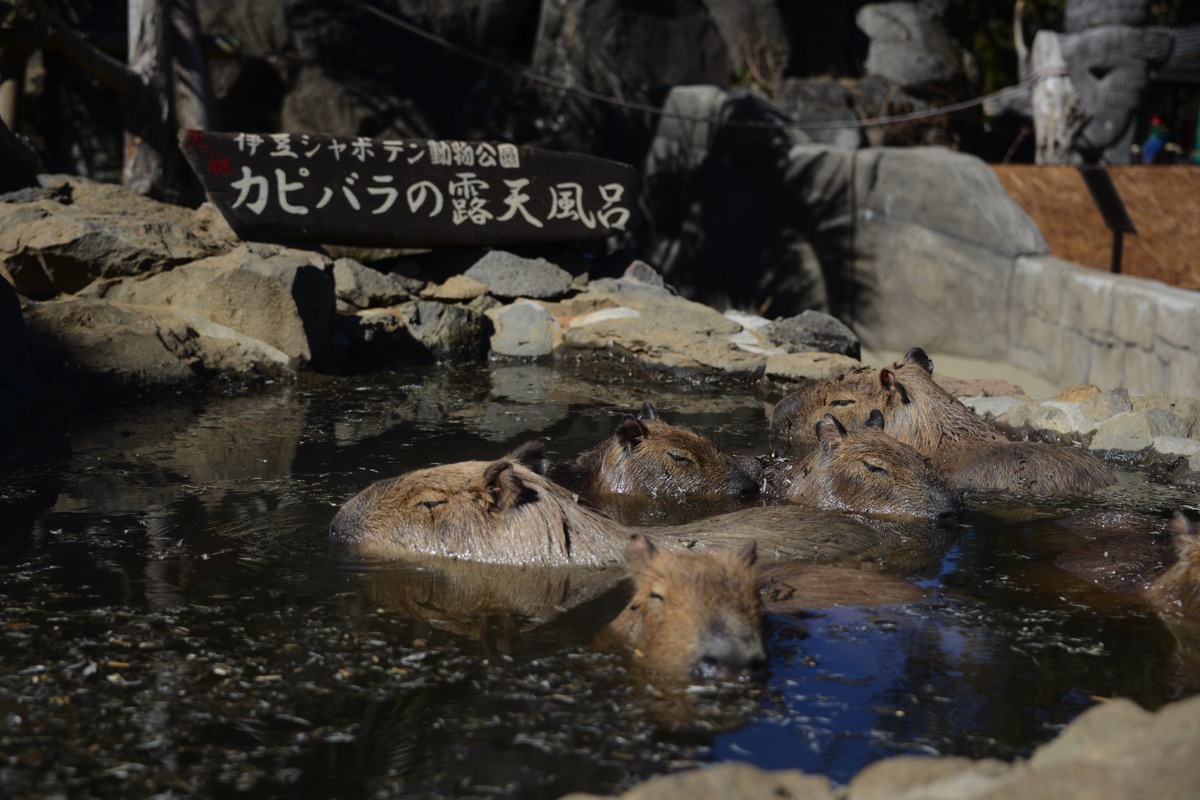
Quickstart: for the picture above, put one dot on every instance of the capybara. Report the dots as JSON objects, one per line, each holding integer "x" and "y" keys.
{"x": 865, "y": 471}
{"x": 507, "y": 512}
{"x": 920, "y": 413}
{"x": 1151, "y": 561}
{"x": 651, "y": 457}
{"x": 692, "y": 614}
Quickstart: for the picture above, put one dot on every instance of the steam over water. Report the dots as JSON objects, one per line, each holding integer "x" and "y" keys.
{"x": 173, "y": 620}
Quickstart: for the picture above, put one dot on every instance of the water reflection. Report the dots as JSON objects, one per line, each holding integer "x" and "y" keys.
{"x": 172, "y": 618}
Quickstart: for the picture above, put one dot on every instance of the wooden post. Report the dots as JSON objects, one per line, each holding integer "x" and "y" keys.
{"x": 148, "y": 109}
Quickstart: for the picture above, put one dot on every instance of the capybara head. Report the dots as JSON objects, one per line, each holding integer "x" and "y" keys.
{"x": 649, "y": 456}
{"x": 504, "y": 512}
{"x": 1177, "y": 590}
{"x": 916, "y": 410}
{"x": 866, "y": 471}
{"x": 693, "y": 615}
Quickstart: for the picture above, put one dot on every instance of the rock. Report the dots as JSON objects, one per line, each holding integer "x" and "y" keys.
{"x": 1114, "y": 750}
{"x": 508, "y": 276}
{"x": 525, "y": 330}
{"x": 1080, "y": 15}
{"x": 34, "y": 410}
{"x": 604, "y": 315}
{"x": 1104, "y": 405}
{"x": 456, "y": 289}
{"x": 671, "y": 338}
{"x": 378, "y": 337}
{"x": 910, "y": 46}
{"x": 357, "y": 286}
{"x": 450, "y": 333}
{"x": 271, "y": 294}
{"x": 990, "y": 407}
{"x": 825, "y": 101}
{"x": 812, "y": 330}
{"x": 1186, "y": 408}
{"x": 711, "y": 191}
{"x": 798, "y": 367}
{"x": 58, "y": 246}
{"x": 1064, "y": 419}
{"x": 727, "y": 781}
{"x": 1135, "y": 431}
{"x": 119, "y": 346}
{"x": 641, "y": 271}
{"x": 1077, "y": 394}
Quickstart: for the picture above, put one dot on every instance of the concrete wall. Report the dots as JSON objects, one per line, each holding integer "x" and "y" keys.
{"x": 951, "y": 263}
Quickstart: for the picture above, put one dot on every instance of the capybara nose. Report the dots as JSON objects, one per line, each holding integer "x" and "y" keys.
{"x": 713, "y": 668}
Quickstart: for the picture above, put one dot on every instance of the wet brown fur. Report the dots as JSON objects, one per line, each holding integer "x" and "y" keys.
{"x": 920, "y": 413}
{"x": 694, "y": 615}
{"x": 505, "y": 512}
{"x": 863, "y": 470}
{"x": 1150, "y": 561}
{"x": 649, "y": 456}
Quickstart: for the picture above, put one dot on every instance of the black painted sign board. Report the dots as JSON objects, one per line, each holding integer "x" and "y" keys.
{"x": 408, "y": 192}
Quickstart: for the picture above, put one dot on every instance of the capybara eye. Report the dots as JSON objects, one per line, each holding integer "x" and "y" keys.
{"x": 431, "y": 504}
{"x": 655, "y": 596}
{"x": 849, "y": 401}
{"x": 875, "y": 469}
{"x": 678, "y": 457}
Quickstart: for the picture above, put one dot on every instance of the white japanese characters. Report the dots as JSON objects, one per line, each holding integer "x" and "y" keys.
{"x": 469, "y": 194}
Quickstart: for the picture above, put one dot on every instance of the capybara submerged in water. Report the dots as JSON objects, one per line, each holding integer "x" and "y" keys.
{"x": 917, "y": 411}
{"x": 649, "y": 456}
{"x": 507, "y": 512}
{"x": 865, "y": 471}
{"x": 693, "y": 615}
{"x": 1151, "y": 561}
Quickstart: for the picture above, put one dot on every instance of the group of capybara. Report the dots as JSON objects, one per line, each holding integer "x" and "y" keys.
{"x": 866, "y": 476}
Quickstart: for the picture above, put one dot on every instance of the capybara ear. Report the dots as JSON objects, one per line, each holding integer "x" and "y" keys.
{"x": 531, "y": 455}
{"x": 648, "y": 411}
{"x": 1187, "y": 541}
{"x": 748, "y": 553}
{"x": 502, "y": 484}
{"x": 830, "y": 433}
{"x": 875, "y": 420}
{"x": 631, "y": 432}
{"x": 887, "y": 380}
{"x": 919, "y": 357}
{"x": 640, "y": 551}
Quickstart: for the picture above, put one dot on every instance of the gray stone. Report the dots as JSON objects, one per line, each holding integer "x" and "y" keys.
{"x": 725, "y": 782}
{"x": 509, "y": 276}
{"x": 1054, "y": 416}
{"x": 450, "y": 333}
{"x": 813, "y": 330}
{"x": 271, "y": 294}
{"x": 525, "y": 330}
{"x": 1104, "y": 405}
{"x": 1135, "y": 431}
{"x": 825, "y": 101}
{"x": 358, "y": 286}
{"x": 1079, "y": 15}
{"x": 909, "y": 45}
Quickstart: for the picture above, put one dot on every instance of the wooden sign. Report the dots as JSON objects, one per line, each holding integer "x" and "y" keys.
{"x": 408, "y": 192}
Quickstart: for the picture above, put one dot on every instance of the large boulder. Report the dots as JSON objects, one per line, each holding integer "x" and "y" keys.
{"x": 910, "y": 46}
{"x": 116, "y": 346}
{"x": 272, "y": 294}
{"x": 63, "y": 240}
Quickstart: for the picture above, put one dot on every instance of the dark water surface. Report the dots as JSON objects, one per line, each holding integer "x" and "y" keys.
{"x": 173, "y": 624}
